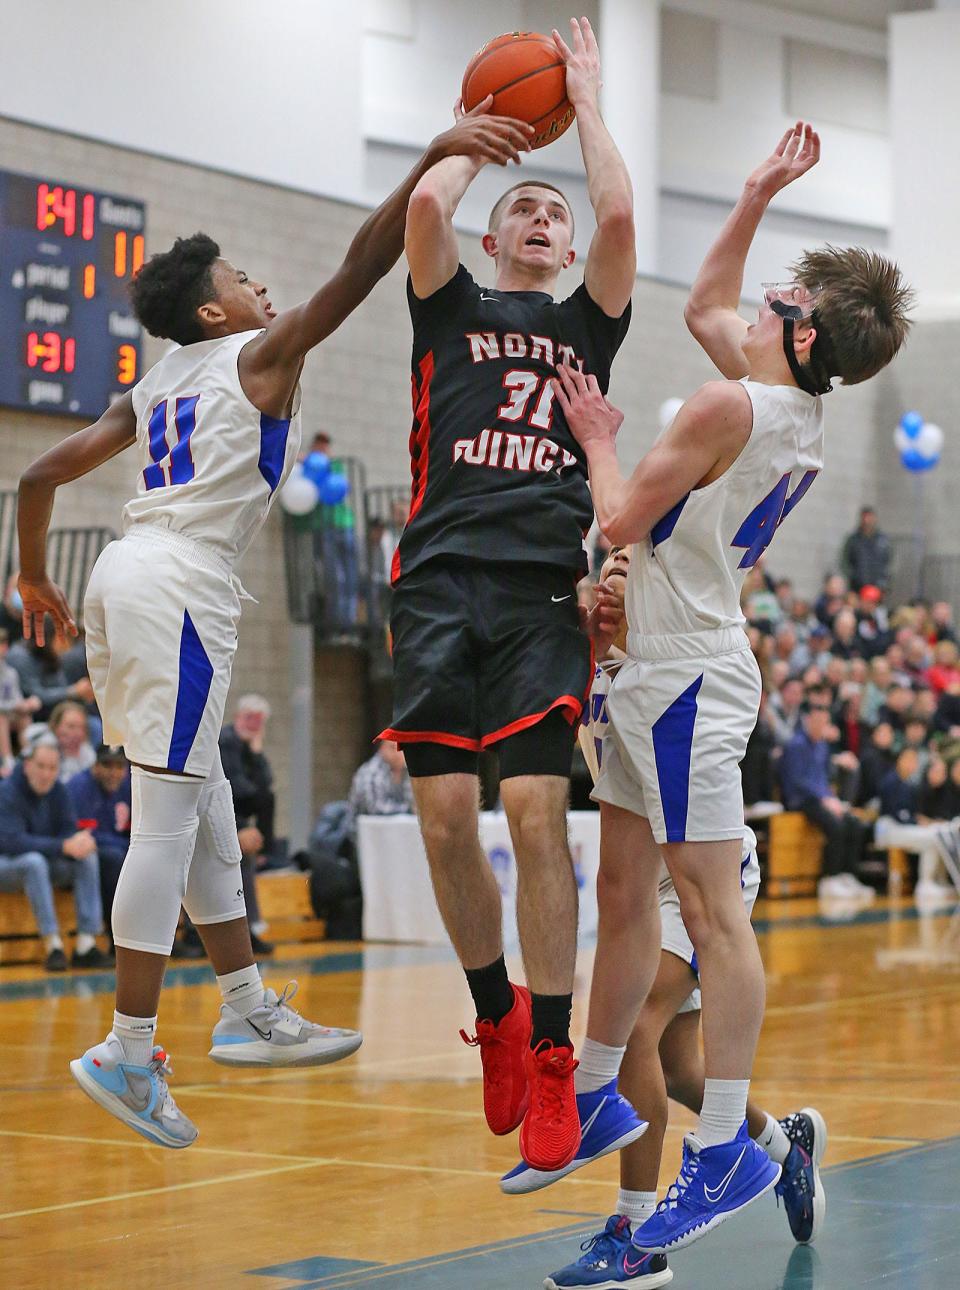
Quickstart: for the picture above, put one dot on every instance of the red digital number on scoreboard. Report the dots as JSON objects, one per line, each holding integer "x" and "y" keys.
{"x": 54, "y": 202}
{"x": 51, "y": 352}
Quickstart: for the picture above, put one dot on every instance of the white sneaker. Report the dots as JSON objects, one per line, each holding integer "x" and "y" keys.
{"x": 854, "y": 887}
{"x": 137, "y": 1095}
{"x": 833, "y": 888}
{"x": 928, "y": 891}
{"x": 275, "y": 1035}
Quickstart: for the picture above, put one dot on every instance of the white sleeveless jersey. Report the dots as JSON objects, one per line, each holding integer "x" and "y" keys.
{"x": 211, "y": 463}
{"x": 686, "y": 576}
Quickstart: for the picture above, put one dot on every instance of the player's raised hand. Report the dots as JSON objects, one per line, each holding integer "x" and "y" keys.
{"x": 478, "y": 134}
{"x": 604, "y": 620}
{"x": 44, "y": 597}
{"x": 582, "y": 62}
{"x": 796, "y": 153}
{"x": 592, "y": 418}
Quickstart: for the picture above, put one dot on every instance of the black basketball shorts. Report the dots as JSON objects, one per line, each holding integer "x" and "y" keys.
{"x": 484, "y": 650}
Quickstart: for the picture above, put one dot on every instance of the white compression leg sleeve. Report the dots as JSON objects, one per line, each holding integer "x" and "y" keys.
{"x": 163, "y": 829}
{"x": 214, "y": 885}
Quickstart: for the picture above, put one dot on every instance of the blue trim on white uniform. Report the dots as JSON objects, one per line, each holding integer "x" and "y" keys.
{"x": 672, "y": 744}
{"x": 196, "y": 675}
{"x": 665, "y": 526}
{"x": 273, "y": 447}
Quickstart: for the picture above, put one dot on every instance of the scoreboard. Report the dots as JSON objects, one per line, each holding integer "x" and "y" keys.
{"x": 69, "y": 341}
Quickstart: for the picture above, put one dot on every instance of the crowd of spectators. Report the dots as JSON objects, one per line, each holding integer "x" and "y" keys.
{"x": 859, "y": 724}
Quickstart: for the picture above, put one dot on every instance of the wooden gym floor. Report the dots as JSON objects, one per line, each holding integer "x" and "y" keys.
{"x": 379, "y": 1171}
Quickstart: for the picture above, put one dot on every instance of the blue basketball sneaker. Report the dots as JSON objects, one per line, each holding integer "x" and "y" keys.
{"x": 714, "y": 1183}
{"x": 609, "y": 1259}
{"x": 800, "y": 1187}
{"x": 137, "y": 1095}
{"x": 607, "y": 1123}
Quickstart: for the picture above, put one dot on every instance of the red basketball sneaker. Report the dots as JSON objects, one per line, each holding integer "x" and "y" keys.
{"x": 503, "y": 1050}
{"x": 550, "y": 1133}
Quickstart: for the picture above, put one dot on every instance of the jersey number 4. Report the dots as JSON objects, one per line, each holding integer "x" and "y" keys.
{"x": 171, "y": 465}
{"x": 757, "y": 530}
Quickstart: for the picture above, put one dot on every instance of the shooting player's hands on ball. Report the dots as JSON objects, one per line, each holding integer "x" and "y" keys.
{"x": 796, "y": 153}
{"x": 582, "y": 62}
{"x": 44, "y": 597}
{"x": 478, "y": 134}
{"x": 590, "y": 415}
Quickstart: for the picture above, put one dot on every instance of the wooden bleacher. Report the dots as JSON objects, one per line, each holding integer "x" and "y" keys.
{"x": 794, "y": 857}
{"x": 284, "y": 904}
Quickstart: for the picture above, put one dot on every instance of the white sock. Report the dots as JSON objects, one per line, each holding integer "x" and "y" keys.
{"x": 773, "y": 1140}
{"x": 136, "y": 1034}
{"x": 53, "y": 942}
{"x": 243, "y": 990}
{"x": 638, "y": 1206}
{"x": 599, "y": 1064}
{"x": 84, "y": 942}
{"x": 723, "y": 1112}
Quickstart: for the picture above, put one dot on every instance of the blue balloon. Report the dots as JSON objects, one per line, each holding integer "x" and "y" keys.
{"x": 912, "y": 424}
{"x": 334, "y": 489}
{"x": 915, "y": 461}
{"x": 316, "y": 467}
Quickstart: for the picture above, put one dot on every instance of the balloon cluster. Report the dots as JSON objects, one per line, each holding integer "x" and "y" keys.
{"x": 918, "y": 442}
{"x": 311, "y": 482}
{"x": 668, "y": 410}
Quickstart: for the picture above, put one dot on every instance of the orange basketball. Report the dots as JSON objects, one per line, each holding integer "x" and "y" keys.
{"x": 526, "y": 76}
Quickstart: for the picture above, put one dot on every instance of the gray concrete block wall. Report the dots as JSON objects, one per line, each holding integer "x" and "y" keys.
{"x": 356, "y": 387}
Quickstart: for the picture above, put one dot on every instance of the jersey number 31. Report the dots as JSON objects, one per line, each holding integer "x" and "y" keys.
{"x": 171, "y": 465}
{"x": 757, "y": 530}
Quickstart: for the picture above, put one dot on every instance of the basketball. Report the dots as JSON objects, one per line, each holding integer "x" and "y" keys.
{"x": 526, "y": 76}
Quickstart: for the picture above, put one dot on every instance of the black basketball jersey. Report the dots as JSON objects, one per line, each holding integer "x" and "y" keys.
{"x": 497, "y": 475}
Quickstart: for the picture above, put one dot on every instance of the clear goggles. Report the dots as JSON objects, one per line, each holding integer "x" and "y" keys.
{"x": 790, "y": 299}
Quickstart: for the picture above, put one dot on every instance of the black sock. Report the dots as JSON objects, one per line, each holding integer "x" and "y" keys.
{"x": 491, "y": 990}
{"x": 551, "y": 1019}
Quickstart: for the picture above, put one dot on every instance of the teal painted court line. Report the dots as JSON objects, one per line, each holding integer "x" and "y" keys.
{"x": 873, "y": 1237}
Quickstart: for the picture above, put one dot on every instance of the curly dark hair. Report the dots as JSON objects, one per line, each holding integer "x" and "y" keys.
{"x": 171, "y": 287}
{"x": 863, "y": 307}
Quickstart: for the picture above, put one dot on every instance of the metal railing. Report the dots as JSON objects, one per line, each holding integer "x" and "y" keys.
{"x": 71, "y": 555}
{"x": 8, "y": 535}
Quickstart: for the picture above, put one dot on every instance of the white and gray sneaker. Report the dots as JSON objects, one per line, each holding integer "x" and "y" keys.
{"x": 137, "y": 1095}
{"x": 275, "y": 1035}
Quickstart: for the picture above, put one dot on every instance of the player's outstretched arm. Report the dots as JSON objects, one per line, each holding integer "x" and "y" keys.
{"x": 373, "y": 252}
{"x": 74, "y": 456}
{"x": 430, "y": 240}
{"x": 611, "y": 267}
{"x": 711, "y": 311}
{"x": 705, "y": 437}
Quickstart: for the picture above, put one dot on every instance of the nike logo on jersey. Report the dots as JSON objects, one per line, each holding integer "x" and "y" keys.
{"x": 557, "y": 599}
{"x": 715, "y": 1194}
{"x": 493, "y": 298}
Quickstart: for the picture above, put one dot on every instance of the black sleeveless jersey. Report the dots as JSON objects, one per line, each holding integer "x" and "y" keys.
{"x": 497, "y": 475}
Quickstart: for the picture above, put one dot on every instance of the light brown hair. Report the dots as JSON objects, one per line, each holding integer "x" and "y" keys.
{"x": 862, "y": 308}
{"x": 495, "y": 215}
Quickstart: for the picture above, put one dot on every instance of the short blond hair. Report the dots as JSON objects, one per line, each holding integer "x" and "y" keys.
{"x": 862, "y": 307}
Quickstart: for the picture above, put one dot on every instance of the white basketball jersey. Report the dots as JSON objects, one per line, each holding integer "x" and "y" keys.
{"x": 686, "y": 576}
{"x": 211, "y": 463}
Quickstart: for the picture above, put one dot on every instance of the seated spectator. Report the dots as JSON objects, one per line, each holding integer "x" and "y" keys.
{"x": 944, "y": 670}
{"x": 832, "y": 599}
{"x": 805, "y": 784}
{"x": 899, "y": 790}
{"x": 783, "y": 590}
{"x": 924, "y": 706}
{"x": 899, "y": 674}
{"x": 819, "y": 643}
{"x": 779, "y": 673}
{"x": 947, "y": 718}
{"x": 875, "y": 695}
{"x": 853, "y": 731}
{"x": 915, "y": 736}
{"x": 100, "y": 797}
{"x": 68, "y": 721}
{"x": 859, "y": 671}
{"x": 42, "y": 676}
{"x": 835, "y": 674}
{"x": 917, "y": 660}
{"x": 788, "y": 649}
{"x": 42, "y": 847}
{"x": 846, "y": 642}
{"x": 11, "y": 609}
{"x": 896, "y": 707}
{"x": 246, "y": 766}
{"x": 15, "y": 711}
{"x": 802, "y": 617}
{"x": 786, "y": 710}
{"x": 941, "y": 621}
{"x": 380, "y": 787}
{"x": 939, "y": 796}
{"x": 756, "y": 769}
{"x": 873, "y": 628}
{"x": 876, "y": 760}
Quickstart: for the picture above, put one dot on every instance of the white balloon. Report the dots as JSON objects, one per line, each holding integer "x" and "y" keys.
{"x": 902, "y": 441}
{"x": 929, "y": 442}
{"x": 299, "y": 495}
{"x": 668, "y": 410}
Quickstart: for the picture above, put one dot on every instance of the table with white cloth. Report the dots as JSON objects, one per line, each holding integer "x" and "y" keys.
{"x": 398, "y": 899}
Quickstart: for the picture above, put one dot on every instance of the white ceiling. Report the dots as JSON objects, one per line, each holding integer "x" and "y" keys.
{"x": 864, "y": 13}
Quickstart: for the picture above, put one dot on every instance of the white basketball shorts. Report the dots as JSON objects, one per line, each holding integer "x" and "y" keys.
{"x": 160, "y": 616}
{"x": 678, "y": 730}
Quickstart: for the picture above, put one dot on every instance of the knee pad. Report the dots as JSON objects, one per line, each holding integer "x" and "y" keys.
{"x": 164, "y": 823}
{"x": 214, "y": 892}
